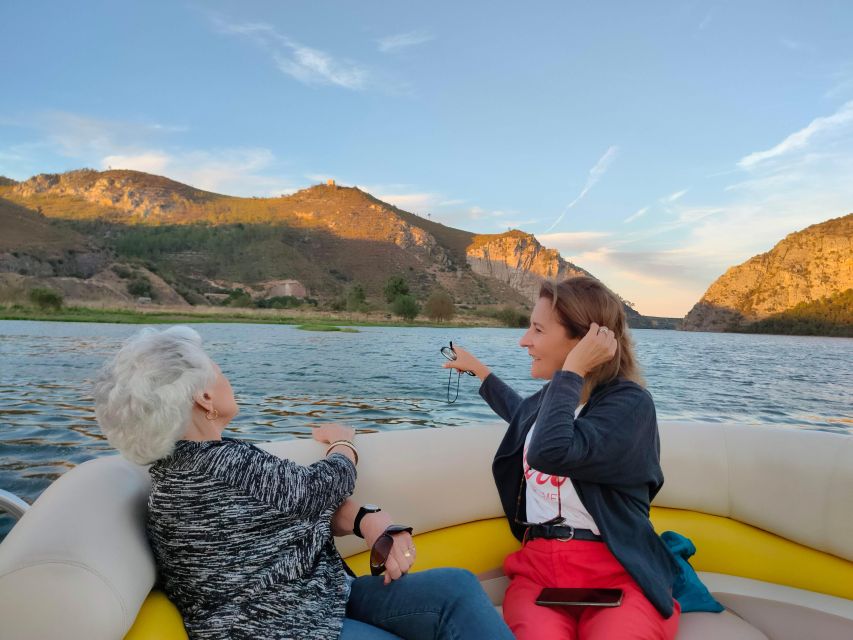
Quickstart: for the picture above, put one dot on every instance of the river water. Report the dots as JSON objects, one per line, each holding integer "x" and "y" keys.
{"x": 385, "y": 378}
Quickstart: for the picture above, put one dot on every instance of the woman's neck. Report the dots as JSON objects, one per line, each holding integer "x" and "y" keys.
{"x": 201, "y": 429}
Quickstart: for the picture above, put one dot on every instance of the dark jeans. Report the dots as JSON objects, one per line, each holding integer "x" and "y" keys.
{"x": 439, "y": 604}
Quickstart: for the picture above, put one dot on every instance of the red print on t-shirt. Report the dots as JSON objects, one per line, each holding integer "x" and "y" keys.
{"x": 541, "y": 478}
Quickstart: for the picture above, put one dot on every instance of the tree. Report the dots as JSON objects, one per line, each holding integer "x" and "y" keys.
{"x": 238, "y": 298}
{"x": 45, "y": 298}
{"x": 356, "y": 298}
{"x": 406, "y": 307}
{"x": 140, "y": 286}
{"x": 395, "y": 287}
{"x": 440, "y": 306}
{"x": 513, "y": 317}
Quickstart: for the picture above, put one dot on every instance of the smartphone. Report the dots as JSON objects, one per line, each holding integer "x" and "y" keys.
{"x": 580, "y": 598}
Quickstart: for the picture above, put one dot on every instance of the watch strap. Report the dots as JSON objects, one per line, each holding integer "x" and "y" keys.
{"x": 362, "y": 511}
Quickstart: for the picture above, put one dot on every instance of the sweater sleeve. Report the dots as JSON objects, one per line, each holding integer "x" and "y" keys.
{"x": 302, "y": 491}
{"x": 614, "y": 443}
{"x": 503, "y": 400}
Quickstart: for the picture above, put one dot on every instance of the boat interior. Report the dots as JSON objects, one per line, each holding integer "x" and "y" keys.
{"x": 769, "y": 509}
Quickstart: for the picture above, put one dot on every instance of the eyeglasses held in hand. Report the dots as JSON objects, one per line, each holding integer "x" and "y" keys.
{"x": 450, "y": 354}
{"x": 382, "y": 548}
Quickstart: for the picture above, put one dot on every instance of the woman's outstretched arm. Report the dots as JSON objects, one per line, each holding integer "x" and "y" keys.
{"x": 501, "y": 398}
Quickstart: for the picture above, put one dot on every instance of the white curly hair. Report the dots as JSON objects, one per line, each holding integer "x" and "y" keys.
{"x": 144, "y": 394}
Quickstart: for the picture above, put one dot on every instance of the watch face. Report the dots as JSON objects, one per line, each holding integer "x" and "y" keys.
{"x": 370, "y": 507}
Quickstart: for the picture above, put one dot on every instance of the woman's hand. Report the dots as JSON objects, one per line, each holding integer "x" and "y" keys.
{"x": 596, "y": 347}
{"x": 402, "y": 554}
{"x": 467, "y": 362}
{"x": 330, "y": 433}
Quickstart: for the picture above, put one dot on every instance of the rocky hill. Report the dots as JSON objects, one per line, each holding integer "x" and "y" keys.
{"x": 806, "y": 267}
{"x": 36, "y": 253}
{"x": 320, "y": 240}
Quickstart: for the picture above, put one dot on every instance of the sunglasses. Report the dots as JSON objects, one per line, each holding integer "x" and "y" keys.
{"x": 450, "y": 354}
{"x": 382, "y": 547}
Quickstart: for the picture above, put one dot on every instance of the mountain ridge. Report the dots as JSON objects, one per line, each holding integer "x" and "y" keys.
{"x": 330, "y": 236}
{"x": 805, "y": 267}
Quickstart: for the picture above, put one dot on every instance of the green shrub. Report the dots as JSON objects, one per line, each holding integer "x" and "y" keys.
{"x": 45, "y": 298}
{"x": 121, "y": 271}
{"x": 512, "y": 317}
{"x": 238, "y": 298}
{"x": 279, "y": 302}
{"x": 140, "y": 286}
{"x": 406, "y": 307}
{"x": 356, "y": 298}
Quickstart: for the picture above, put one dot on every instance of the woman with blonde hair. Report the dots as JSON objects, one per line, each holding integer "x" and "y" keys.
{"x": 577, "y": 470}
{"x": 243, "y": 539}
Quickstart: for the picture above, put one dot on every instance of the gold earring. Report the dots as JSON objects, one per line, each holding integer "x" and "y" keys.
{"x": 213, "y": 414}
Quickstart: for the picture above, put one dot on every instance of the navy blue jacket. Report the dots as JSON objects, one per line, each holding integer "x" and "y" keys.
{"x": 611, "y": 453}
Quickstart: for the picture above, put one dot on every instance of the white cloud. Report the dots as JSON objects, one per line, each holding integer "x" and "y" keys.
{"x": 595, "y": 174}
{"x": 150, "y": 162}
{"x": 638, "y": 214}
{"x": 144, "y": 146}
{"x": 672, "y": 197}
{"x": 515, "y": 223}
{"x": 478, "y": 213}
{"x": 575, "y": 242}
{"x": 235, "y": 171}
{"x": 313, "y": 66}
{"x": 418, "y": 203}
{"x": 403, "y": 40}
{"x": 308, "y": 65}
{"x": 74, "y": 135}
{"x": 800, "y": 139}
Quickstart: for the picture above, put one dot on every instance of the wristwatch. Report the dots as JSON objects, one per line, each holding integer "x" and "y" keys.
{"x": 363, "y": 511}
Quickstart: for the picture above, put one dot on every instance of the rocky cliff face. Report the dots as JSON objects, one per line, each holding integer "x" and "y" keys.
{"x": 804, "y": 267}
{"x": 517, "y": 259}
{"x": 141, "y": 195}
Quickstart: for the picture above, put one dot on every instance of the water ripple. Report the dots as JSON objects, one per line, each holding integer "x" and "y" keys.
{"x": 388, "y": 379}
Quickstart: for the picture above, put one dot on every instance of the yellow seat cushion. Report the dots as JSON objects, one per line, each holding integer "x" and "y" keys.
{"x": 727, "y": 546}
{"x": 477, "y": 546}
{"x": 158, "y": 619}
{"x": 723, "y": 546}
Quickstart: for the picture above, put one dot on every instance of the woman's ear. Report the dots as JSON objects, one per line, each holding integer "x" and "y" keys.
{"x": 203, "y": 400}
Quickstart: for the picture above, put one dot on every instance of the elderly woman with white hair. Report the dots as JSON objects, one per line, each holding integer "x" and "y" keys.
{"x": 243, "y": 539}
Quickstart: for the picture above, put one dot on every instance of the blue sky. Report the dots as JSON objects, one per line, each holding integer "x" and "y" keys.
{"x": 654, "y": 144}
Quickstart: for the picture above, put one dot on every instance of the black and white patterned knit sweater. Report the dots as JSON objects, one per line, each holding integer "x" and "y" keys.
{"x": 243, "y": 541}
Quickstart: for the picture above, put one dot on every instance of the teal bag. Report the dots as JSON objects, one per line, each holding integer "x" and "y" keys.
{"x": 688, "y": 589}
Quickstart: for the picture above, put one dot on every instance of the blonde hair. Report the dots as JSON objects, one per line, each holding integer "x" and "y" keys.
{"x": 580, "y": 301}
{"x": 144, "y": 394}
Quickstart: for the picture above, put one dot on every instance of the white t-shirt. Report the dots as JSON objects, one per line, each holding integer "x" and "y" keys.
{"x": 545, "y": 492}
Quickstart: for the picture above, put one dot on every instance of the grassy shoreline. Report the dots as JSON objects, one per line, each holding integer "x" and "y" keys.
{"x": 225, "y": 315}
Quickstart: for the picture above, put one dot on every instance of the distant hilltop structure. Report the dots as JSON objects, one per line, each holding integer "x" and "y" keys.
{"x": 330, "y": 183}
